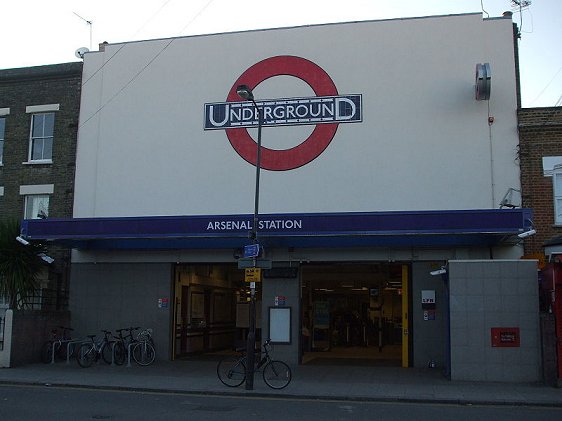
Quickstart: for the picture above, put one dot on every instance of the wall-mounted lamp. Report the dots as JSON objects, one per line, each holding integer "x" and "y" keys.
{"x": 22, "y": 240}
{"x": 46, "y": 258}
{"x": 437, "y": 272}
{"x": 530, "y": 230}
{"x": 528, "y": 233}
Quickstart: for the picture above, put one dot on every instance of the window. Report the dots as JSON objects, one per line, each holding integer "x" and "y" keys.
{"x": 41, "y": 143}
{"x": 552, "y": 167}
{"x": 36, "y": 206}
{"x": 557, "y": 187}
{"x": 2, "y": 130}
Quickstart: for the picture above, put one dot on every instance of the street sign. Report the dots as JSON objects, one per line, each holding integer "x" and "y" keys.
{"x": 252, "y": 250}
{"x": 253, "y": 275}
{"x": 259, "y": 263}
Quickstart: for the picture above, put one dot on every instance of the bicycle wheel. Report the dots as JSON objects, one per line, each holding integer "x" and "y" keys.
{"x": 144, "y": 353}
{"x": 232, "y": 371}
{"x": 119, "y": 353}
{"x": 276, "y": 374}
{"x": 86, "y": 355}
{"x": 47, "y": 352}
{"x": 60, "y": 351}
{"x": 72, "y": 349}
{"x": 106, "y": 352}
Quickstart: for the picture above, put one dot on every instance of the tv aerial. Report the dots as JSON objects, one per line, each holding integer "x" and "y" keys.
{"x": 89, "y": 23}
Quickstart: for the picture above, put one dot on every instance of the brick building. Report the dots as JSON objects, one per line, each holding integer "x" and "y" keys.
{"x": 540, "y": 154}
{"x": 39, "y": 109}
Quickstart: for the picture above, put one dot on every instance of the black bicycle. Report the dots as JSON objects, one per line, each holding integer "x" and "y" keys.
{"x": 56, "y": 348}
{"x": 142, "y": 347}
{"x": 232, "y": 369}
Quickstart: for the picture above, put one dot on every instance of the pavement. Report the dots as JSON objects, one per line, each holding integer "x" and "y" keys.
{"x": 323, "y": 382}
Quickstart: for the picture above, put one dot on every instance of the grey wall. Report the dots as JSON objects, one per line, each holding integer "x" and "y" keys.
{"x": 487, "y": 294}
{"x": 114, "y": 296}
{"x": 290, "y": 288}
{"x": 428, "y": 335}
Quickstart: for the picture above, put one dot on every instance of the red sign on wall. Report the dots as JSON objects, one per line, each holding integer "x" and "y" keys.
{"x": 505, "y": 337}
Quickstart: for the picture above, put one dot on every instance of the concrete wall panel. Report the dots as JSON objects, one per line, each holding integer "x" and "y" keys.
{"x": 115, "y": 296}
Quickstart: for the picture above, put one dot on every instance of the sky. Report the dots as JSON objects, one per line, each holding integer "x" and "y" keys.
{"x": 39, "y": 32}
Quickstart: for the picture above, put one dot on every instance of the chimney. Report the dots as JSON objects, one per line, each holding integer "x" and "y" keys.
{"x": 102, "y": 45}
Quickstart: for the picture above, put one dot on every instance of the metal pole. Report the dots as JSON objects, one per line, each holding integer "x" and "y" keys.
{"x": 258, "y": 170}
{"x": 251, "y": 344}
{"x": 251, "y": 341}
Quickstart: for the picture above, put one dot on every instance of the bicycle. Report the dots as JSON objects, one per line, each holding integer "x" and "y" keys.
{"x": 54, "y": 349}
{"x": 141, "y": 348}
{"x": 276, "y": 374}
{"x": 122, "y": 344}
{"x": 144, "y": 352}
{"x": 92, "y": 351}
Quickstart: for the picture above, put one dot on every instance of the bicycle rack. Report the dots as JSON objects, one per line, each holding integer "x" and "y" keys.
{"x": 66, "y": 342}
{"x": 74, "y": 341}
{"x": 129, "y": 354}
{"x": 113, "y": 344}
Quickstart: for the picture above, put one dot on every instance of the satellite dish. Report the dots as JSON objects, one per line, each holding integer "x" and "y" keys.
{"x": 483, "y": 81}
{"x": 80, "y": 52}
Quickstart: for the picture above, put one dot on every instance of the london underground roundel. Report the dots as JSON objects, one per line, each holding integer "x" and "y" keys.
{"x": 326, "y": 110}
{"x": 319, "y": 139}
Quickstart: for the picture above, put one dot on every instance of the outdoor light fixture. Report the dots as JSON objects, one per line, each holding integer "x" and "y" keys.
{"x": 527, "y": 233}
{"x": 530, "y": 230}
{"x": 46, "y": 258}
{"x": 22, "y": 240}
{"x": 441, "y": 271}
{"x": 246, "y": 93}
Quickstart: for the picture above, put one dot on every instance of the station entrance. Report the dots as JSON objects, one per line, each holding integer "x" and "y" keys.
{"x": 351, "y": 313}
{"x": 355, "y": 313}
{"x": 211, "y": 304}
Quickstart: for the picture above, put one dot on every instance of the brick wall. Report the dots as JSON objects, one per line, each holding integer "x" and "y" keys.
{"x": 540, "y": 134}
{"x": 30, "y": 330}
{"x": 56, "y": 84}
{"x": 19, "y": 88}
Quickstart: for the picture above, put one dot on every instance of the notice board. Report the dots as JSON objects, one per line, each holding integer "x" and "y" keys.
{"x": 280, "y": 325}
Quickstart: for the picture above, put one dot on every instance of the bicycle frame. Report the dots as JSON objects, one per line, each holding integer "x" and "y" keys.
{"x": 231, "y": 370}
{"x": 58, "y": 341}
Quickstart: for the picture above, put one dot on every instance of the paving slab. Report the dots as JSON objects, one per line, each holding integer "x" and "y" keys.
{"x": 314, "y": 382}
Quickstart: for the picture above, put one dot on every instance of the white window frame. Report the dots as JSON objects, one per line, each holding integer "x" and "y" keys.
{"x": 40, "y": 109}
{"x": 37, "y": 203}
{"x": 37, "y": 191}
{"x": 2, "y": 137}
{"x": 35, "y": 138}
{"x": 557, "y": 193}
{"x": 3, "y": 113}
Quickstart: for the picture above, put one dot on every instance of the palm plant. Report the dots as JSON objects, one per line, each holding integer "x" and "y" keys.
{"x": 19, "y": 265}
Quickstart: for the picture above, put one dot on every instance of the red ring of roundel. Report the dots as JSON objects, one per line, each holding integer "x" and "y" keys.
{"x": 311, "y": 147}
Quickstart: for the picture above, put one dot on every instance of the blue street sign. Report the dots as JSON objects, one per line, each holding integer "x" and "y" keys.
{"x": 252, "y": 250}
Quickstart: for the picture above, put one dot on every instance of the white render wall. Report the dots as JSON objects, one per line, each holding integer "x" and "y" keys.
{"x": 424, "y": 142}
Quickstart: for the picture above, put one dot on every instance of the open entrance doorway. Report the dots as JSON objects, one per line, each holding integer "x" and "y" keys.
{"x": 211, "y": 308}
{"x": 355, "y": 313}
